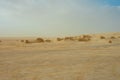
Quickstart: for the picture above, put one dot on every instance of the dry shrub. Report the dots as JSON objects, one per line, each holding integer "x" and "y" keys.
{"x": 69, "y": 38}
{"x": 59, "y": 39}
{"x": 27, "y": 41}
{"x": 84, "y": 39}
{"x": 110, "y": 41}
{"x": 118, "y": 36}
{"x": 76, "y": 37}
{"x": 48, "y": 41}
{"x": 102, "y": 37}
{"x": 87, "y": 36}
{"x": 40, "y": 40}
{"x": 22, "y": 40}
{"x": 112, "y": 37}
{"x": 0, "y": 41}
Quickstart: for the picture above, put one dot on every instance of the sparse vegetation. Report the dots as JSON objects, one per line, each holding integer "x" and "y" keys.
{"x": 87, "y": 36}
{"x": 48, "y": 40}
{"x": 69, "y": 38}
{"x": 39, "y": 40}
{"x": 22, "y": 40}
{"x": 112, "y": 37}
{"x": 110, "y": 41}
{"x": 102, "y": 37}
{"x": 27, "y": 41}
{"x": 59, "y": 39}
{"x": 89, "y": 56}
{"x": 84, "y": 39}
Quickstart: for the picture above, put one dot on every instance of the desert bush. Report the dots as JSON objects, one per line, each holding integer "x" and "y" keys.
{"x": 39, "y": 40}
{"x": 0, "y": 41}
{"x": 87, "y": 36}
{"x": 112, "y": 37}
{"x": 109, "y": 41}
{"x": 102, "y": 37}
{"x": 69, "y": 38}
{"x": 27, "y": 41}
{"x": 48, "y": 40}
{"x": 76, "y": 37}
{"x": 59, "y": 39}
{"x": 22, "y": 40}
{"x": 84, "y": 39}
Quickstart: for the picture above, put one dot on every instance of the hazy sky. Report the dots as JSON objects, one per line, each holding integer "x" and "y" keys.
{"x": 58, "y": 17}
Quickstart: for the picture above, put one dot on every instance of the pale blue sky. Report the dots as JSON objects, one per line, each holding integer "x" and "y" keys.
{"x": 58, "y": 17}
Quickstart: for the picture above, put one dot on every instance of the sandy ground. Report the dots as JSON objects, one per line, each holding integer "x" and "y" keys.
{"x": 70, "y": 60}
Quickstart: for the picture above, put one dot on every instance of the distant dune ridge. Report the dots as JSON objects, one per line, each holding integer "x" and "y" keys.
{"x": 82, "y": 38}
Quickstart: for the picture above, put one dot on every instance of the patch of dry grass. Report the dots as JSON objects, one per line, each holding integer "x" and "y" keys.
{"x": 112, "y": 37}
{"x": 40, "y": 40}
{"x": 22, "y": 40}
{"x": 102, "y": 37}
{"x": 85, "y": 38}
{"x": 27, "y": 41}
{"x": 60, "y": 39}
{"x": 69, "y": 38}
{"x": 48, "y": 41}
{"x": 110, "y": 41}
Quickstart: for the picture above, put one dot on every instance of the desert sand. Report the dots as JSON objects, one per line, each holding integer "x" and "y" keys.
{"x": 96, "y": 59}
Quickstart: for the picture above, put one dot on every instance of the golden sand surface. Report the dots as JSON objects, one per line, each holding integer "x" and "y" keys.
{"x": 65, "y": 60}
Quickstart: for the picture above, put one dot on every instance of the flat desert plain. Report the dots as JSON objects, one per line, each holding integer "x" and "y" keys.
{"x": 97, "y": 59}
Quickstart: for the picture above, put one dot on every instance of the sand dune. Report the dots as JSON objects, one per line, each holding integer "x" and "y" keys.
{"x": 70, "y": 59}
